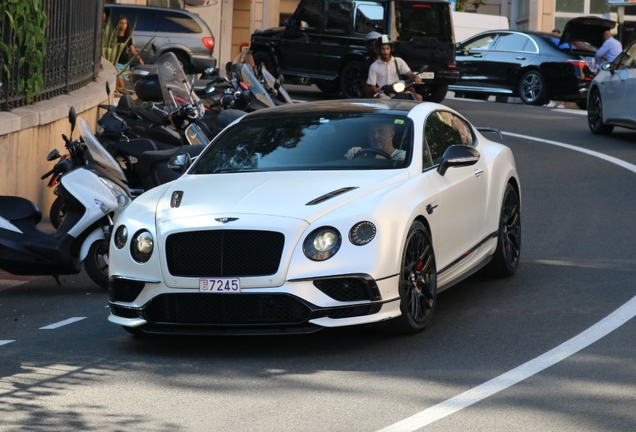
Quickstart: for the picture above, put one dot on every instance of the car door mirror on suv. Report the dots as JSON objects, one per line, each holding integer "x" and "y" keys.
{"x": 608, "y": 66}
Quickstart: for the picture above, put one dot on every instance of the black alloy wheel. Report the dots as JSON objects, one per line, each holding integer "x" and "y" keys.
{"x": 506, "y": 257}
{"x": 595, "y": 115}
{"x": 417, "y": 282}
{"x": 96, "y": 263}
{"x": 350, "y": 82}
{"x": 532, "y": 88}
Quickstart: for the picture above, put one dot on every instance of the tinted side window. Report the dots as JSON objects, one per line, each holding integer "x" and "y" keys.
{"x": 369, "y": 17}
{"x": 513, "y": 42}
{"x": 481, "y": 44}
{"x": 176, "y": 22}
{"x": 444, "y": 129}
{"x": 310, "y": 15}
{"x": 627, "y": 59}
{"x": 339, "y": 16}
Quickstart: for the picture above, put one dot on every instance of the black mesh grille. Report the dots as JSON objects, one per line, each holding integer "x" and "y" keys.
{"x": 123, "y": 289}
{"x": 124, "y": 312}
{"x": 224, "y": 253}
{"x": 345, "y": 289}
{"x": 354, "y": 311}
{"x": 228, "y": 309}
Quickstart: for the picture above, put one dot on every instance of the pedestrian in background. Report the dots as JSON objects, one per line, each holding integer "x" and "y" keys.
{"x": 556, "y": 39}
{"x": 125, "y": 37}
{"x": 610, "y": 49}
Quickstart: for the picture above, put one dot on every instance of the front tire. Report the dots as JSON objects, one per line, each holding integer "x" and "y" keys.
{"x": 96, "y": 263}
{"x": 417, "y": 282}
{"x": 505, "y": 260}
{"x": 532, "y": 88}
{"x": 595, "y": 115}
{"x": 434, "y": 93}
{"x": 57, "y": 212}
{"x": 350, "y": 83}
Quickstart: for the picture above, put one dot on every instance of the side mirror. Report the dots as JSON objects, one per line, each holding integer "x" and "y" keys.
{"x": 276, "y": 85}
{"x": 153, "y": 47}
{"x": 608, "y": 66}
{"x": 288, "y": 22}
{"x": 107, "y": 88}
{"x": 53, "y": 155}
{"x": 180, "y": 162}
{"x": 72, "y": 118}
{"x": 457, "y": 156}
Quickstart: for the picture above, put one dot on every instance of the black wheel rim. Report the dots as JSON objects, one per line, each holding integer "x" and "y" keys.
{"x": 531, "y": 87}
{"x": 511, "y": 228}
{"x": 351, "y": 81}
{"x": 419, "y": 277}
{"x": 595, "y": 112}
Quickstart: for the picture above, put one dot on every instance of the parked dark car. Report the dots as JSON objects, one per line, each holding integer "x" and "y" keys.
{"x": 324, "y": 41}
{"x": 536, "y": 67}
{"x": 171, "y": 30}
{"x": 612, "y": 94}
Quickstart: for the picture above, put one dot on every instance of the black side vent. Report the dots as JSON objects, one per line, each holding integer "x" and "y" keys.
{"x": 330, "y": 195}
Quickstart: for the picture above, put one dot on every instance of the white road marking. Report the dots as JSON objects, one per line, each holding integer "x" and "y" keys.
{"x": 62, "y": 323}
{"x": 570, "y": 111}
{"x": 4, "y": 342}
{"x": 599, "y": 330}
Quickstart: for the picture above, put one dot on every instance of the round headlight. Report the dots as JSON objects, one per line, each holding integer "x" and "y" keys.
{"x": 399, "y": 87}
{"x": 121, "y": 236}
{"x": 362, "y": 233}
{"x": 141, "y": 246}
{"x": 322, "y": 244}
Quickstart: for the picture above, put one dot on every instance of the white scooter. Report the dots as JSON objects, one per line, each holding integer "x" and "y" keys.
{"x": 94, "y": 192}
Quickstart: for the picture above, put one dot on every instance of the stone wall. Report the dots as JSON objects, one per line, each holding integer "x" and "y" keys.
{"x": 28, "y": 134}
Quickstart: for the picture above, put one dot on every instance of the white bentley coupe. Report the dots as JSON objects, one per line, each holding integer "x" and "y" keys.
{"x": 322, "y": 214}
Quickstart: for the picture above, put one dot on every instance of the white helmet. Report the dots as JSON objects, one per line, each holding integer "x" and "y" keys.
{"x": 372, "y": 36}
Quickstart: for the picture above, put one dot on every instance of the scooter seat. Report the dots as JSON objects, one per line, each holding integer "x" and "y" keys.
{"x": 14, "y": 208}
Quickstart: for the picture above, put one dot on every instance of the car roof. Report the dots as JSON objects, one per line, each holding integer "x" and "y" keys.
{"x": 352, "y": 106}
{"x": 163, "y": 9}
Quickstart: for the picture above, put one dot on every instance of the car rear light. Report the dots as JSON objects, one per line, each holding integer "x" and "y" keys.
{"x": 209, "y": 43}
{"x": 581, "y": 66}
{"x": 452, "y": 65}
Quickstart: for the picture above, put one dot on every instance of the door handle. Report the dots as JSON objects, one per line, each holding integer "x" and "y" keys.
{"x": 521, "y": 58}
{"x": 478, "y": 172}
{"x": 477, "y": 55}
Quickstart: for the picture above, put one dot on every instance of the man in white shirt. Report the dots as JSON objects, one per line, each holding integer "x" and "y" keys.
{"x": 610, "y": 49}
{"x": 387, "y": 69}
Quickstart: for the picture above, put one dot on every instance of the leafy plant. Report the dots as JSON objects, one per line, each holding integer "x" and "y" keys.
{"x": 27, "y": 21}
{"x": 112, "y": 50}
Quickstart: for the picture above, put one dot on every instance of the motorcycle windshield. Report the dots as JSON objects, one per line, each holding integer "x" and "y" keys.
{"x": 244, "y": 74}
{"x": 271, "y": 81}
{"x": 98, "y": 153}
{"x": 172, "y": 80}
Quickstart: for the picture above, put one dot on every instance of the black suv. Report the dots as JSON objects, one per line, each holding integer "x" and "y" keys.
{"x": 324, "y": 41}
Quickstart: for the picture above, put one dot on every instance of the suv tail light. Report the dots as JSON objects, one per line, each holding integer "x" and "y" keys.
{"x": 581, "y": 66}
{"x": 209, "y": 43}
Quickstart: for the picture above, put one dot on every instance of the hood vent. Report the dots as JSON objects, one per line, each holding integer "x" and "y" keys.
{"x": 330, "y": 195}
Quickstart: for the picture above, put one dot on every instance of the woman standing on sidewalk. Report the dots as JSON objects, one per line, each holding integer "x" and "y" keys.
{"x": 125, "y": 37}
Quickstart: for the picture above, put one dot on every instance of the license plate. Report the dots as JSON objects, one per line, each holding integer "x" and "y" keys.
{"x": 220, "y": 286}
{"x": 427, "y": 75}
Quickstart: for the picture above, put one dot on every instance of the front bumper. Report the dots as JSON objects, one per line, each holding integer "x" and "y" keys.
{"x": 296, "y": 307}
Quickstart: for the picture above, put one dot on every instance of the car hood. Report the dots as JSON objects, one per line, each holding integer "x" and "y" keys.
{"x": 586, "y": 29}
{"x": 306, "y": 195}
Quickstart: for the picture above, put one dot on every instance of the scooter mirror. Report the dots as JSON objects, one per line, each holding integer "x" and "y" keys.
{"x": 72, "y": 118}
{"x": 53, "y": 155}
{"x": 107, "y": 88}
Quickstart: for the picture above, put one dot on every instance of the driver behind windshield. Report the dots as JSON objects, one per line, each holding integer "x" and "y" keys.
{"x": 380, "y": 140}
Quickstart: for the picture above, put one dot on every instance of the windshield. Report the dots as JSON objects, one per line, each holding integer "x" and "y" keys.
{"x": 244, "y": 74}
{"x": 427, "y": 19}
{"x": 173, "y": 85}
{"x": 97, "y": 152}
{"x": 271, "y": 82}
{"x": 304, "y": 143}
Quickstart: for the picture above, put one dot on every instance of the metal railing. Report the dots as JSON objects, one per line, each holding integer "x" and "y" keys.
{"x": 73, "y": 56}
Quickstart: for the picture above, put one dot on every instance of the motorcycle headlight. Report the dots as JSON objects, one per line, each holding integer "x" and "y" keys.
{"x": 322, "y": 243}
{"x": 362, "y": 233}
{"x": 118, "y": 192}
{"x": 141, "y": 246}
{"x": 399, "y": 87}
{"x": 121, "y": 236}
